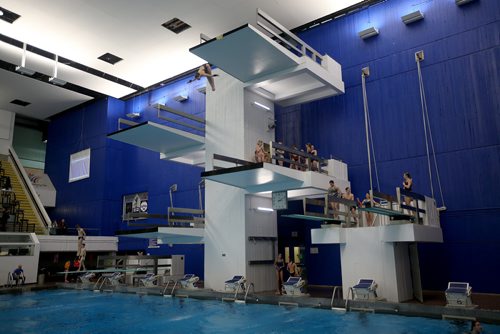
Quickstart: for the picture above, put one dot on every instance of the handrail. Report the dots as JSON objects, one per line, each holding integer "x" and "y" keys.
{"x": 335, "y": 289}
{"x": 166, "y": 287}
{"x": 126, "y": 122}
{"x": 40, "y": 209}
{"x": 310, "y": 158}
{"x": 304, "y": 46}
{"x": 248, "y": 289}
{"x": 232, "y": 160}
{"x": 347, "y": 299}
{"x": 191, "y": 117}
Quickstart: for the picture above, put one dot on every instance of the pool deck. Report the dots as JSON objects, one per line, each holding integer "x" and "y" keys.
{"x": 487, "y": 309}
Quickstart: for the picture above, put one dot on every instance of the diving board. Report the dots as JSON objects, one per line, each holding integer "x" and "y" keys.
{"x": 263, "y": 176}
{"x": 392, "y": 214}
{"x": 170, "y": 142}
{"x": 273, "y": 62}
{"x": 167, "y": 235}
{"x": 315, "y": 217}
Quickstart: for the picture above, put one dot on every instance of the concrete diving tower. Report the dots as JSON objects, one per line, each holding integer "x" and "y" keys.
{"x": 273, "y": 62}
{"x": 176, "y": 144}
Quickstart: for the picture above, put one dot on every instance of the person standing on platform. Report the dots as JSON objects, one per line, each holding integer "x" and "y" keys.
{"x": 81, "y": 258}
{"x": 81, "y": 239}
{"x": 333, "y": 192}
{"x": 407, "y": 185}
{"x": 279, "y": 265}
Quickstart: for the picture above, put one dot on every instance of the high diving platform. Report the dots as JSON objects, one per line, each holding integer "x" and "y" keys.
{"x": 273, "y": 62}
{"x": 167, "y": 235}
{"x": 172, "y": 144}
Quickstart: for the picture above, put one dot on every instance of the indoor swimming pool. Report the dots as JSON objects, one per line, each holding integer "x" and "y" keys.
{"x": 81, "y": 311}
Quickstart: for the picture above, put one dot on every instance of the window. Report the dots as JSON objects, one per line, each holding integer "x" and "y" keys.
{"x": 79, "y": 165}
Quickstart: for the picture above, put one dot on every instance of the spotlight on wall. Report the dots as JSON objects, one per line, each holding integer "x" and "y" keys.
{"x": 57, "y": 81}
{"x": 133, "y": 115}
{"x": 181, "y": 97}
{"x": 202, "y": 89}
{"x": 260, "y": 105}
{"x": 462, "y": 2}
{"x": 367, "y": 33}
{"x": 412, "y": 17}
{"x": 24, "y": 70}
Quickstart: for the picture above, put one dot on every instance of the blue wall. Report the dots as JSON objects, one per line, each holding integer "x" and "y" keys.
{"x": 119, "y": 169}
{"x": 461, "y": 77}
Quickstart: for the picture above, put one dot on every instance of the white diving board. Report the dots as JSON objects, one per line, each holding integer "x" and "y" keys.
{"x": 270, "y": 69}
{"x": 172, "y": 144}
{"x": 168, "y": 235}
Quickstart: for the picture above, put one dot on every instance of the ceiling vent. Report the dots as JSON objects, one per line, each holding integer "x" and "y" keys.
{"x": 110, "y": 58}
{"x": 20, "y": 103}
{"x": 8, "y": 16}
{"x": 176, "y": 26}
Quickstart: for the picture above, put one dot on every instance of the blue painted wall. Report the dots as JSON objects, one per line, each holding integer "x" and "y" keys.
{"x": 119, "y": 169}
{"x": 461, "y": 77}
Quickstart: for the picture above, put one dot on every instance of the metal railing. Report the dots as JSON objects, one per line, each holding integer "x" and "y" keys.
{"x": 286, "y": 38}
{"x": 335, "y": 289}
{"x": 160, "y": 107}
{"x": 37, "y": 203}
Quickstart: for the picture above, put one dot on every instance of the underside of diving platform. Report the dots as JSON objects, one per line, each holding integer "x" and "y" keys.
{"x": 172, "y": 144}
{"x": 271, "y": 70}
{"x": 167, "y": 235}
{"x": 266, "y": 177}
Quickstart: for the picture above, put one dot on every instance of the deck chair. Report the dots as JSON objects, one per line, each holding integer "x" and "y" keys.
{"x": 189, "y": 281}
{"x": 150, "y": 280}
{"x": 113, "y": 278}
{"x": 458, "y": 294}
{"x": 294, "y": 286}
{"x": 366, "y": 289}
{"x": 235, "y": 283}
{"x": 85, "y": 278}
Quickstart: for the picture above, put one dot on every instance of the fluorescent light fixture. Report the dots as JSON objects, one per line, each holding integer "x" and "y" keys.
{"x": 181, "y": 97}
{"x": 412, "y": 17}
{"x": 260, "y": 208}
{"x": 57, "y": 81}
{"x": 1, "y": 12}
{"x": 367, "y": 33}
{"x": 24, "y": 70}
{"x": 462, "y": 2}
{"x": 260, "y": 105}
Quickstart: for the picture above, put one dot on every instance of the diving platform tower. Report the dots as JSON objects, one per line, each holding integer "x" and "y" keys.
{"x": 258, "y": 66}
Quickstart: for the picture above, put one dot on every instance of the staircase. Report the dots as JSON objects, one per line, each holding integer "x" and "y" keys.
{"x": 26, "y": 207}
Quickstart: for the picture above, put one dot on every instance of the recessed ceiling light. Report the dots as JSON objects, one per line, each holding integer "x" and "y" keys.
{"x": 110, "y": 58}
{"x": 176, "y": 26}
{"x": 8, "y": 16}
{"x": 20, "y": 103}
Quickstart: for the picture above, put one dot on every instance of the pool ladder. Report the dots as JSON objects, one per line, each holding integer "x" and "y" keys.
{"x": 245, "y": 288}
{"x": 335, "y": 289}
{"x": 173, "y": 289}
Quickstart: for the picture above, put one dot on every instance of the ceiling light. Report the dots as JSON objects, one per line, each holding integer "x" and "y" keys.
{"x": 1, "y": 13}
{"x": 462, "y": 2}
{"x": 260, "y": 105}
{"x": 260, "y": 208}
{"x": 181, "y": 97}
{"x": 412, "y": 17}
{"x": 367, "y": 33}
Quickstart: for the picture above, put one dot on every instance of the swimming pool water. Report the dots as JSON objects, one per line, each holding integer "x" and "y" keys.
{"x": 80, "y": 311}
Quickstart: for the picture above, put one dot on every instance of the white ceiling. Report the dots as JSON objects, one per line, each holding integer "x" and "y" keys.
{"x": 82, "y": 30}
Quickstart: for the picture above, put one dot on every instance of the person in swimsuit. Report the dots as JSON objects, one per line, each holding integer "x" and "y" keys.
{"x": 294, "y": 158}
{"x": 260, "y": 153}
{"x": 367, "y": 203}
{"x": 205, "y": 71}
{"x": 81, "y": 239}
{"x": 407, "y": 185}
{"x": 350, "y": 196}
{"x": 279, "y": 265}
{"x": 292, "y": 268}
{"x": 333, "y": 192}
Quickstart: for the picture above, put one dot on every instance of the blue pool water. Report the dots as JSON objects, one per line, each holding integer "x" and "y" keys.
{"x": 70, "y": 311}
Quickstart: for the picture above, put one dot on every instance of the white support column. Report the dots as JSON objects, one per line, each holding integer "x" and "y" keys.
{"x": 233, "y": 126}
{"x": 7, "y": 119}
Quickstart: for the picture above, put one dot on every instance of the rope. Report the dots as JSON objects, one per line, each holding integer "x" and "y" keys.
{"x": 425, "y": 118}
{"x": 369, "y": 136}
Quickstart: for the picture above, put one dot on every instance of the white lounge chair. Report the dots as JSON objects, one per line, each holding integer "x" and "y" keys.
{"x": 189, "y": 281}
{"x": 150, "y": 280}
{"x": 366, "y": 289}
{"x": 235, "y": 283}
{"x": 294, "y": 286}
{"x": 85, "y": 278}
{"x": 458, "y": 294}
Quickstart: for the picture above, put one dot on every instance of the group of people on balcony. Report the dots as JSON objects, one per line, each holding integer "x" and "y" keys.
{"x": 297, "y": 162}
